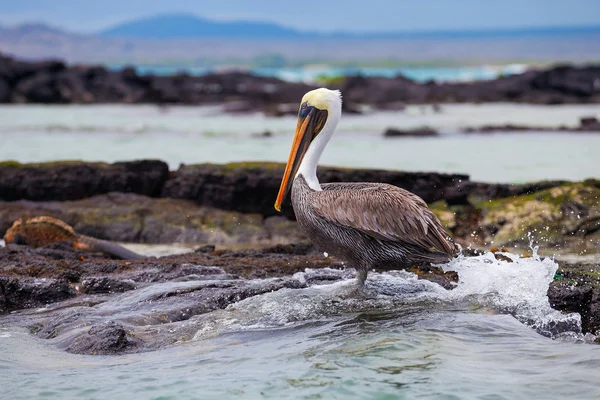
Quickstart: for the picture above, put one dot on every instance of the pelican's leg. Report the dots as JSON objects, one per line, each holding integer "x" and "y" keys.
{"x": 361, "y": 277}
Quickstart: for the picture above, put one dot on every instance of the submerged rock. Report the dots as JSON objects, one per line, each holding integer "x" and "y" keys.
{"x": 102, "y": 339}
{"x": 586, "y": 124}
{"x": 417, "y": 132}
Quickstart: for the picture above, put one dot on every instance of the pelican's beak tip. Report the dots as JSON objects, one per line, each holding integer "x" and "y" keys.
{"x": 277, "y": 207}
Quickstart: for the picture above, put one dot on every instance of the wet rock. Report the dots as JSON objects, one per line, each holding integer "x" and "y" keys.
{"x": 19, "y": 293}
{"x": 77, "y": 180}
{"x": 576, "y": 288}
{"x": 102, "y": 339}
{"x": 93, "y": 285}
{"x": 589, "y": 124}
{"x": 418, "y": 132}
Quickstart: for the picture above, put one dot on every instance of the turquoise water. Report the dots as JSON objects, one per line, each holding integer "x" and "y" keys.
{"x": 307, "y": 74}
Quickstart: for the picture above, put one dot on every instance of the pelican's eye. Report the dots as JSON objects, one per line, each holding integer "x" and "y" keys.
{"x": 303, "y": 109}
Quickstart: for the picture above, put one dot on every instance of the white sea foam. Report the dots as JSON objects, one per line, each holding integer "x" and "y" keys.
{"x": 516, "y": 286}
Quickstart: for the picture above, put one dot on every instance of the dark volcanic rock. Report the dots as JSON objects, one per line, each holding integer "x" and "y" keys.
{"x": 586, "y": 124}
{"x": 77, "y": 180}
{"x": 253, "y": 187}
{"x": 5, "y": 91}
{"x": 106, "y": 338}
{"x": 18, "y": 293}
{"x": 418, "y": 132}
{"x": 589, "y": 124}
{"x": 105, "y": 285}
{"x": 54, "y": 82}
{"x": 568, "y": 298}
{"x": 558, "y": 85}
{"x": 578, "y": 290}
{"x": 240, "y": 187}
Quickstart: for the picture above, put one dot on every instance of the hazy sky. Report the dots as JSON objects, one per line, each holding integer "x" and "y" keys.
{"x": 322, "y": 15}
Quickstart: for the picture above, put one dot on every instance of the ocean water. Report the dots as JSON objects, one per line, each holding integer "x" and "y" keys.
{"x": 493, "y": 337}
{"x": 315, "y": 72}
{"x": 205, "y": 134}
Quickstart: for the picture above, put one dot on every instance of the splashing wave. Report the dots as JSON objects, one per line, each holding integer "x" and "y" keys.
{"x": 516, "y": 286}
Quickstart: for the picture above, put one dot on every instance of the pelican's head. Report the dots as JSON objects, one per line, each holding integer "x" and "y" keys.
{"x": 319, "y": 112}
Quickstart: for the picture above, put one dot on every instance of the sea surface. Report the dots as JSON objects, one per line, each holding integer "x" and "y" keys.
{"x": 180, "y": 134}
{"x": 313, "y": 73}
{"x": 492, "y": 337}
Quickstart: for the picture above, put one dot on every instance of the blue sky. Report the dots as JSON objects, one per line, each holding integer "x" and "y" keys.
{"x": 321, "y": 15}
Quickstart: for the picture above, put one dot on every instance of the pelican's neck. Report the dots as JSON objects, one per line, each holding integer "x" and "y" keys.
{"x": 308, "y": 167}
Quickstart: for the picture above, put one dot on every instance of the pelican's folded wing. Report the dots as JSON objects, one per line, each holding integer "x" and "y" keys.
{"x": 383, "y": 211}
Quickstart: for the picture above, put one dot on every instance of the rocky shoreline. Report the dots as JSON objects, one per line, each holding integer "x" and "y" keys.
{"x": 86, "y": 304}
{"x": 586, "y": 125}
{"x": 54, "y": 82}
{"x": 245, "y": 248}
{"x": 142, "y": 201}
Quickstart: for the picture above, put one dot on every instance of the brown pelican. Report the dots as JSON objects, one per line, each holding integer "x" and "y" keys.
{"x": 365, "y": 224}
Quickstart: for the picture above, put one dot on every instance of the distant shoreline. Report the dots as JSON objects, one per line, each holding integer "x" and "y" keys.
{"x": 55, "y": 82}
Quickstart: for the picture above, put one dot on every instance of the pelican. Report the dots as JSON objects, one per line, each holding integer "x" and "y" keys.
{"x": 367, "y": 225}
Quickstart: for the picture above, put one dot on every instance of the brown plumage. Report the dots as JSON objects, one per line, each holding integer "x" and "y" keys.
{"x": 383, "y": 211}
{"x": 43, "y": 230}
{"x": 371, "y": 225}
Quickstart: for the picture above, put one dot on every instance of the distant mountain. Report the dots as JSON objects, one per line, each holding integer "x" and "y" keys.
{"x": 186, "y": 26}
{"x": 34, "y": 31}
{"x": 184, "y": 40}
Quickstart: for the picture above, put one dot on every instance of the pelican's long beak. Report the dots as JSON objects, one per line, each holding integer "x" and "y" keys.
{"x": 305, "y": 133}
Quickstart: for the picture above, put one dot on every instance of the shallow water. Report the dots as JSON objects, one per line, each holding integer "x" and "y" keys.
{"x": 404, "y": 338}
{"x": 203, "y": 134}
